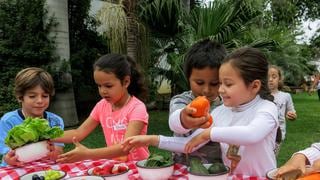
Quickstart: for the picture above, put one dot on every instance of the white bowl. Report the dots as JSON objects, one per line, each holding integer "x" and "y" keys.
{"x": 271, "y": 174}
{"x": 40, "y": 173}
{"x": 32, "y": 152}
{"x": 86, "y": 178}
{"x": 154, "y": 173}
{"x": 119, "y": 176}
{"x": 218, "y": 176}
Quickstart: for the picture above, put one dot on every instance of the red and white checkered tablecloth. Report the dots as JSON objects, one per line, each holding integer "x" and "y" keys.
{"x": 81, "y": 168}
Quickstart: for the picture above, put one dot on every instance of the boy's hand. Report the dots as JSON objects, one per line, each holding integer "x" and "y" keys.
{"x": 291, "y": 115}
{"x": 80, "y": 152}
{"x": 133, "y": 142}
{"x": 190, "y": 122}
{"x": 199, "y": 139}
{"x": 55, "y": 151}
{"x": 12, "y": 159}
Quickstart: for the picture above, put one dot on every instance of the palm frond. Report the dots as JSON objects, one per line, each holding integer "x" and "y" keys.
{"x": 113, "y": 25}
{"x": 222, "y": 20}
{"x": 162, "y": 16}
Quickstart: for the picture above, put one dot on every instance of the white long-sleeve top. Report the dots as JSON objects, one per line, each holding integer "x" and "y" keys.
{"x": 312, "y": 153}
{"x": 284, "y": 103}
{"x": 253, "y": 126}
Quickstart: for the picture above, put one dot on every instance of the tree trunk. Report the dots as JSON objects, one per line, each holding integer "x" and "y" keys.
{"x": 132, "y": 39}
{"x": 63, "y": 103}
{"x": 186, "y": 4}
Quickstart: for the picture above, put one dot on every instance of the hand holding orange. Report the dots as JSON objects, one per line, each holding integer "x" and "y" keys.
{"x": 202, "y": 105}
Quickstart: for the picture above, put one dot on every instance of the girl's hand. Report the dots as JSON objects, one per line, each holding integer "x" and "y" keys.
{"x": 291, "y": 115}
{"x": 199, "y": 139}
{"x": 11, "y": 159}
{"x": 296, "y": 162}
{"x": 133, "y": 142}
{"x": 80, "y": 152}
{"x": 190, "y": 122}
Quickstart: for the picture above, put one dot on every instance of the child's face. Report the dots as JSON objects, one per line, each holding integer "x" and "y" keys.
{"x": 34, "y": 102}
{"x": 205, "y": 82}
{"x": 110, "y": 87}
{"x": 233, "y": 89}
{"x": 273, "y": 79}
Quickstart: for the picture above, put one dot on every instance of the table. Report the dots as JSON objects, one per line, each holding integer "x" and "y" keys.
{"x": 81, "y": 167}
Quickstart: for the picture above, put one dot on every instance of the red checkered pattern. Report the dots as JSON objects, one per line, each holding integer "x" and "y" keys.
{"x": 81, "y": 168}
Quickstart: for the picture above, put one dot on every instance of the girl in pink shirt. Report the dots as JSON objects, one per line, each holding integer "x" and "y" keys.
{"x": 120, "y": 113}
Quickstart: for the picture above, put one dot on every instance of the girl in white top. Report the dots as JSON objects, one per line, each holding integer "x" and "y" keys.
{"x": 282, "y": 99}
{"x": 245, "y": 125}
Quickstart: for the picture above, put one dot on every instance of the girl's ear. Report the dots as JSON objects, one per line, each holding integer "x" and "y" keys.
{"x": 256, "y": 86}
{"x": 126, "y": 81}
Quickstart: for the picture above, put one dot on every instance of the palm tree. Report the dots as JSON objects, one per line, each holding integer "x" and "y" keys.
{"x": 63, "y": 102}
{"x": 120, "y": 25}
{"x": 173, "y": 28}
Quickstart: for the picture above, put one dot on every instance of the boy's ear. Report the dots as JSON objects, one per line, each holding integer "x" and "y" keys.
{"x": 256, "y": 85}
{"x": 19, "y": 99}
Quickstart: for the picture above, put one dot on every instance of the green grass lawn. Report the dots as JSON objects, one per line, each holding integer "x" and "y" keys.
{"x": 305, "y": 130}
{"x": 300, "y": 133}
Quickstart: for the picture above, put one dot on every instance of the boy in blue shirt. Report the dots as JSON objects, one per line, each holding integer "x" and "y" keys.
{"x": 33, "y": 89}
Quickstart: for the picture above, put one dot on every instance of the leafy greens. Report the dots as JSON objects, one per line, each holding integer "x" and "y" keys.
{"x": 31, "y": 130}
{"x": 155, "y": 160}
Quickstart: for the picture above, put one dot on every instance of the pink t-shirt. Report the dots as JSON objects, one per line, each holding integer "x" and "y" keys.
{"x": 115, "y": 123}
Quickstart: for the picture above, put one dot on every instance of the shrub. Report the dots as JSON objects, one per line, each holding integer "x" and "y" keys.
{"x": 24, "y": 42}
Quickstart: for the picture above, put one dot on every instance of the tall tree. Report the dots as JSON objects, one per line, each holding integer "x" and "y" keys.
{"x": 64, "y": 102}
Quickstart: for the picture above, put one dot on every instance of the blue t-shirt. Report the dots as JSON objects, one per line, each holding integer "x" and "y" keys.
{"x": 14, "y": 118}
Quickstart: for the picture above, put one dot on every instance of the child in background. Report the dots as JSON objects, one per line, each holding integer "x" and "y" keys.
{"x": 33, "y": 88}
{"x": 282, "y": 99}
{"x": 201, "y": 68}
{"x": 120, "y": 113}
{"x": 246, "y": 123}
{"x": 316, "y": 84}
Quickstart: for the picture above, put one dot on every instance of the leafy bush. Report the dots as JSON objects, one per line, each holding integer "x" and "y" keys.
{"x": 24, "y": 42}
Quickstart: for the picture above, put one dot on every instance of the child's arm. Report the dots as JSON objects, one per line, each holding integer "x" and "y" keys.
{"x": 81, "y": 152}
{"x": 173, "y": 144}
{"x": 182, "y": 121}
{"x": 140, "y": 140}
{"x": 55, "y": 151}
{"x": 265, "y": 120}
{"x": 201, "y": 138}
{"x": 298, "y": 161}
{"x": 80, "y": 133}
{"x": 180, "y": 115}
{"x": 290, "y": 111}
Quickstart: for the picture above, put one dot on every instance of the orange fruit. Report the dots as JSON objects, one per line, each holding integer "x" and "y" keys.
{"x": 315, "y": 176}
{"x": 201, "y": 104}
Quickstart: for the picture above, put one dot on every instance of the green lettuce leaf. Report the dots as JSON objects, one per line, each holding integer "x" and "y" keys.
{"x": 31, "y": 130}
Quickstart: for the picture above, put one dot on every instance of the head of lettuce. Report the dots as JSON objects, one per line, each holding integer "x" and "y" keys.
{"x": 31, "y": 130}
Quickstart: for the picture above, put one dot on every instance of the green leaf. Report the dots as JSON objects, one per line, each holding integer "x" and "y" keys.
{"x": 31, "y": 130}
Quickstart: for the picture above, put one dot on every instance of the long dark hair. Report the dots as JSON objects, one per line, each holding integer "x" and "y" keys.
{"x": 252, "y": 65}
{"x": 121, "y": 66}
